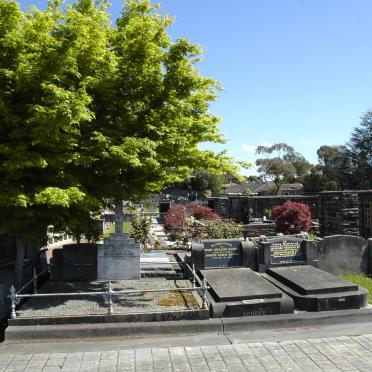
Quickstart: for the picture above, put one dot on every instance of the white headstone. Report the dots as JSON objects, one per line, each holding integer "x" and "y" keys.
{"x": 119, "y": 255}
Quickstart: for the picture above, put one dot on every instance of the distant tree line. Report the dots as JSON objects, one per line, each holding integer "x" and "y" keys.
{"x": 339, "y": 167}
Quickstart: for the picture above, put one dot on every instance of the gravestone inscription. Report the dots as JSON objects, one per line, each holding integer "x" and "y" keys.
{"x": 119, "y": 256}
{"x": 286, "y": 250}
{"x": 219, "y": 253}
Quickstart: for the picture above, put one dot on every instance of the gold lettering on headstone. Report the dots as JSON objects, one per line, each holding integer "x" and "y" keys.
{"x": 285, "y": 249}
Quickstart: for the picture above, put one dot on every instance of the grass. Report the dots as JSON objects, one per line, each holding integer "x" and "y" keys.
{"x": 362, "y": 280}
{"x": 127, "y": 227}
{"x": 179, "y": 299}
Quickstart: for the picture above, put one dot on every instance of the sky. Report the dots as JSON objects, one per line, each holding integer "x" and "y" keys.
{"x": 293, "y": 71}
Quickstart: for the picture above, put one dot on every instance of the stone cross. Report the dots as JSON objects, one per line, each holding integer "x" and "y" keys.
{"x": 120, "y": 217}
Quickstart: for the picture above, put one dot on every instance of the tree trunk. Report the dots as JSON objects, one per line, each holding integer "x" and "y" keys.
{"x": 18, "y": 269}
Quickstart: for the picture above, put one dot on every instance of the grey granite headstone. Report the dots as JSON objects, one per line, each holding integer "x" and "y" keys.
{"x": 339, "y": 254}
{"x": 119, "y": 255}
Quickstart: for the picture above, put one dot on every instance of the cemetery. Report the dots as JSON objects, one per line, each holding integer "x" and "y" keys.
{"x": 120, "y": 214}
{"x": 119, "y": 282}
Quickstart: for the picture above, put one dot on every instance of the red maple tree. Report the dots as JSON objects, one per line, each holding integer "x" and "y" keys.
{"x": 292, "y": 217}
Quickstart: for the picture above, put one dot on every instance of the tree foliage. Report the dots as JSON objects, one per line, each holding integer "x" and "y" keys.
{"x": 286, "y": 166}
{"x": 91, "y": 112}
{"x": 360, "y": 146}
{"x": 292, "y": 217}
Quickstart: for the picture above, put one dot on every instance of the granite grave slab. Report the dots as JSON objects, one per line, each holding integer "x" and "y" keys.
{"x": 313, "y": 289}
{"x": 243, "y": 292}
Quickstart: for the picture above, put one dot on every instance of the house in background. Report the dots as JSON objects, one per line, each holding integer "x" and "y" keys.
{"x": 264, "y": 188}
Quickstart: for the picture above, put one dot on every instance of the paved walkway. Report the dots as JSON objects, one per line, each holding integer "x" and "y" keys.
{"x": 345, "y": 353}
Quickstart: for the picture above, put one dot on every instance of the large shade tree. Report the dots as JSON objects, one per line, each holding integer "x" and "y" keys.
{"x": 91, "y": 112}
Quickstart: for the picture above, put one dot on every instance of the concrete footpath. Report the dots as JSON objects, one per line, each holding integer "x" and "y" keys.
{"x": 346, "y": 347}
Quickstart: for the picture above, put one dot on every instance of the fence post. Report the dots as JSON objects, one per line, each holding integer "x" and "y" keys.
{"x": 193, "y": 275}
{"x": 13, "y": 299}
{"x": 109, "y": 293}
{"x": 35, "y": 281}
{"x": 204, "y": 294}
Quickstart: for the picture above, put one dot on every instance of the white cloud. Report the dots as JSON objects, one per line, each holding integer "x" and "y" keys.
{"x": 249, "y": 148}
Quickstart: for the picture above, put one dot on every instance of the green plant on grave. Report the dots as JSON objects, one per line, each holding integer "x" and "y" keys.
{"x": 141, "y": 225}
{"x": 216, "y": 229}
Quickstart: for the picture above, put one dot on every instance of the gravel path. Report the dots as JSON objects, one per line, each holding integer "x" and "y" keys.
{"x": 131, "y": 303}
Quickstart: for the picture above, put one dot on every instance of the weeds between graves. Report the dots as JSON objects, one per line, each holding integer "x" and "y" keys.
{"x": 362, "y": 280}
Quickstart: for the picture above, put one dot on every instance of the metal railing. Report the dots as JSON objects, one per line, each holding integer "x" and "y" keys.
{"x": 108, "y": 295}
{"x": 15, "y": 296}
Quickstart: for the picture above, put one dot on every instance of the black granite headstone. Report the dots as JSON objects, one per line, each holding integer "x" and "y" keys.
{"x": 285, "y": 251}
{"x": 222, "y": 253}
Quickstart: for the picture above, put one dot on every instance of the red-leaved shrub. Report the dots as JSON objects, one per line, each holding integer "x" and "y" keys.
{"x": 176, "y": 216}
{"x": 292, "y": 217}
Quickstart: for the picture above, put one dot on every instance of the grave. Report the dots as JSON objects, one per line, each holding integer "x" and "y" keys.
{"x": 340, "y": 254}
{"x": 286, "y": 250}
{"x": 243, "y": 292}
{"x": 74, "y": 262}
{"x": 219, "y": 253}
{"x": 119, "y": 256}
{"x": 313, "y": 289}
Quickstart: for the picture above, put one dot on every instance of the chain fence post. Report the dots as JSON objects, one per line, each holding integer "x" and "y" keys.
{"x": 204, "y": 294}
{"x": 34, "y": 281}
{"x": 109, "y": 293}
{"x": 13, "y": 299}
{"x": 193, "y": 276}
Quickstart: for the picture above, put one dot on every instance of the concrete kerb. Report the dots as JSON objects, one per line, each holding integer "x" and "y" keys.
{"x": 108, "y": 330}
{"x": 300, "y": 319}
{"x": 187, "y": 327}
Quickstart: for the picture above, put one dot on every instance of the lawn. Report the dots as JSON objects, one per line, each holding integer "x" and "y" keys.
{"x": 362, "y": 280}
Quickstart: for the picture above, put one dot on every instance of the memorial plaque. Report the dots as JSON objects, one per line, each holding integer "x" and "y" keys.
{"x": 287, "y": 251}
{"x": 222, "y": 253}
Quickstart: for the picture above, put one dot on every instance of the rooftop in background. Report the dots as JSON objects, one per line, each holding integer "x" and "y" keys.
{"x": 265, "y": 188}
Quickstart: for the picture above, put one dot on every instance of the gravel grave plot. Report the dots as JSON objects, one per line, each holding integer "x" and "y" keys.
{"x": 122, "y": 304}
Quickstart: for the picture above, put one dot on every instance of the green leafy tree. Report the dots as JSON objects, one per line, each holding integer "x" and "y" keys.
{"x": 90, "y": 111}
{"x": 360, "y": 150}
{"x": 335, "y": 166}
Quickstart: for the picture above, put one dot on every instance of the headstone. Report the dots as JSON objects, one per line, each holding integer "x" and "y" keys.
{"x": 313, "y": 289}
{"x": 119, "y": 255}
{"x": 225, "y": 253}
{"x": 340, "y": 254}
{"x": 243, "y": 292}
{"x": 74, "y": 262}
{"x": 286, "y": 250}
{"x": 222, "y": 253}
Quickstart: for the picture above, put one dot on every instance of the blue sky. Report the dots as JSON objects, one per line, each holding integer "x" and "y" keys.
{"x": 293, "y": 71}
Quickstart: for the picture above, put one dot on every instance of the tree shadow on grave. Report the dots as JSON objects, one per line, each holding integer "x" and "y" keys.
{"x": 44, "y": 303}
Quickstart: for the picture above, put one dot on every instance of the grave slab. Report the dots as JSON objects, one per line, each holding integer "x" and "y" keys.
{"x": 243, "y": 292}
{"x": 313, "y": 289}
